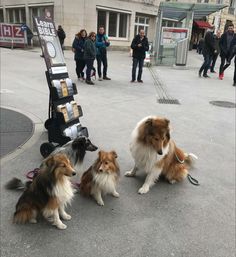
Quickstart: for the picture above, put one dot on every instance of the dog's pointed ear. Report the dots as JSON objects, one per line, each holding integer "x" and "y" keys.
{"x": 114, "y": 154}
{"x": 148, "y": 122}
{"x": 49, "y": 161}
{"x": 100, "y": 153}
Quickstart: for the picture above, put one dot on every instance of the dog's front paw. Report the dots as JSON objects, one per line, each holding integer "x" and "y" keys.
{"x": 172, "y": 181}
{"x": 100, "y": 202}
{"x": 116, "y": 194}
{"x": 143, "y": 190}
{"x": 61, "y": 225}
{"x": 130, "y": 174}
{"x": 66, "y": 217}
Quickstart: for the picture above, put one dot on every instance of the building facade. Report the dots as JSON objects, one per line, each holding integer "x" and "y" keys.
{"x": 121, "y": 18}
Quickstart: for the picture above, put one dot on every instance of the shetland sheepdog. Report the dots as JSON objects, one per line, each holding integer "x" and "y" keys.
{"x": 48, "y": 193}
{"x": 76, "y": 149}
{"x": 102, "y": 177}
{"x": 155, "y": 153}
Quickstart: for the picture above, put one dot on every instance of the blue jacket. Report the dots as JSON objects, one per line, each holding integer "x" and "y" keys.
{"x": 78, "y": 45}
{"x": 101, "y": 44}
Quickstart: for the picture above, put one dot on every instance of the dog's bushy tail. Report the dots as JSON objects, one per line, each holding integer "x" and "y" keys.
{"x": 190, "y": 158}
{"x": 15, "y": 184}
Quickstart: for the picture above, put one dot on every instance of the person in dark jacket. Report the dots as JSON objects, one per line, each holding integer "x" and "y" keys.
{"x": 208, "y": 52}
{"x": 89, "y": 55}
{"x": 227, "y": 43}
{"x": 200, "y": 45}
{"x": 217, "y": 47}
{"x": 102, "y": 42}
{"x": 78, "y": 48}
{"x": 61, "y": 35}
{"x": 233, "y": 55}
{"x": 140, "y": 46}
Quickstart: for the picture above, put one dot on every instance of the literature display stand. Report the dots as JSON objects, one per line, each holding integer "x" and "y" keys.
{"x": 63, "y": 122}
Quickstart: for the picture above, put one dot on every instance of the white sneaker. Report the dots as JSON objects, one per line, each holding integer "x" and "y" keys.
{"x": 100, "y": 79}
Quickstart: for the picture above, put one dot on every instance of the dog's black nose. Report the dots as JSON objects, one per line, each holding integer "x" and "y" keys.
{"x": 73, "y": 173}
{"x": 160, "y": 152}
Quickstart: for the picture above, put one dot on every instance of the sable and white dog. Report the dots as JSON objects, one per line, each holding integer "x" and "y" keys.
{"x": 48, "y": 193}
{"x": 102, "y": 177}
{"x": 155, "y": 153}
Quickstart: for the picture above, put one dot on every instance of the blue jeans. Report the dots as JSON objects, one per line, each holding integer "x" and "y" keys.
{"x": 139, "y": 63}
{"x": 102, "y": 59}
{"x": 206, "y": 64}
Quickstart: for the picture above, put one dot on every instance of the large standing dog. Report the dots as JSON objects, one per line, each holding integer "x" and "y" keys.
{"x": 155, "y": 153}
{"x": 48, "y": 193}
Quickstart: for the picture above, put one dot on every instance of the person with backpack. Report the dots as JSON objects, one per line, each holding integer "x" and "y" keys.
{"x": 89, "y": 55}
{"x": 61, "y": 35}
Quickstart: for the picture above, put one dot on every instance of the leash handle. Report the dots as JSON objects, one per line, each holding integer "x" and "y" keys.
{"x": 193, "y": 181}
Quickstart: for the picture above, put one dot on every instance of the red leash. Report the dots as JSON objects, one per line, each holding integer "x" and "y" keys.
{"x": 33, "y": 173}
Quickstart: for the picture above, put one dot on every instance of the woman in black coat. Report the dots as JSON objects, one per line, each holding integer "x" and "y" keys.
{"x": 78, "y": 48}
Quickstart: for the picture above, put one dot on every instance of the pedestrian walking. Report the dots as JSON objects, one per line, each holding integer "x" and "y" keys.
{"x": 200, "y": 45}
{"x": 140, "y": 46}
{"x": 89, "y": 55}
{"x": 208, "y": 52}
{"x": 61, "y": 35}
{"x": 227, "y": 44}
{"x": 78, "y": 48}
{"x": 233, "y": 55}
{"x": 102, "y": 42}
{"x": 217, "y": 48}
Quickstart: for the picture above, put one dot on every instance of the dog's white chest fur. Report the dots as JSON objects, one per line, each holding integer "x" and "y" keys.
{"x": 145, "y": 157}
{"x": 106, "y": 182}
{"x": 64, "y": 191}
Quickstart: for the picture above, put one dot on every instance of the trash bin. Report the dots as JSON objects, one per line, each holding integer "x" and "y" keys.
{"x": 181, "y": 52}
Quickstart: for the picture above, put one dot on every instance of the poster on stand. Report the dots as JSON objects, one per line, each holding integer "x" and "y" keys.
{"x": 170, "y": 35}
{"x": 50, "y": 45}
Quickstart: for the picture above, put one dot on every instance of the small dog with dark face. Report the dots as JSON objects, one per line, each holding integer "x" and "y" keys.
{"x": 76, "y": 149}
{"x": 48, "y": 193}
{"x": 155, "y": 153}
{"x": 102, "y": 177}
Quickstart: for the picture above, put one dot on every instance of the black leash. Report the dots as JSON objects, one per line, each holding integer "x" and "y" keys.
{"x": 193, "y": 180}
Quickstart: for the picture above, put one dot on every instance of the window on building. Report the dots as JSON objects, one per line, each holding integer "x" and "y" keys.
{"x": 141, "y": 22}
{"x": 1, "y": 15}
{"x": 16, "y": 15}
{"x": 101, "y": 21}
{"x": 112, "y": 24}
{"x": 40, "y": 11}
{"x": 115, "y": 23}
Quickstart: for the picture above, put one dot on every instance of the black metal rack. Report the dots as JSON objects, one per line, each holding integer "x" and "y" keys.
{"x": 56, "y": 123}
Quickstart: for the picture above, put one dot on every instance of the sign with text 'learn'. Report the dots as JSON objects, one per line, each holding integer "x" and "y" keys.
{"x": 12, "y": 35}
{"x": 50, "y": 44}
